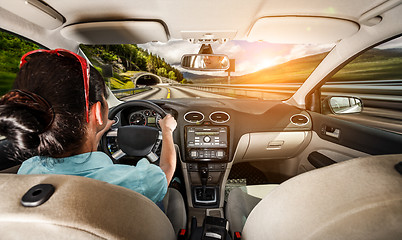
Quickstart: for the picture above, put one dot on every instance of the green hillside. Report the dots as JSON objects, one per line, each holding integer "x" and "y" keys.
{"x": 125, "y": 59}
{"x": 293, "y": 71}
{"x": 375, "y": 64}
{"x": 129, "y": 58}
{"x": 11, "y": 51}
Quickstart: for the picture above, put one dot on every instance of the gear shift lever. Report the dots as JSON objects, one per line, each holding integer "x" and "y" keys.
{"x": 203, "y": 170}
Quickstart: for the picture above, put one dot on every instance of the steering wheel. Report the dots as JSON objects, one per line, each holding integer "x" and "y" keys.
{"x": 134, "y": 140}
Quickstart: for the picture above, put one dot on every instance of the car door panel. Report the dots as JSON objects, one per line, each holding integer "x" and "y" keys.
{"x": 334, "y": 151}
{"x": 340, "y": 140}
{"x": 355, "y": 136}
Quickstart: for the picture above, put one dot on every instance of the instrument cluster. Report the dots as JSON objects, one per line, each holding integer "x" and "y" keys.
{"x": 145, "y": 117}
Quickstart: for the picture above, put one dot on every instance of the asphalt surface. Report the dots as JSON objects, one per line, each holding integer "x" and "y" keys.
{"x": 162, "y": 92}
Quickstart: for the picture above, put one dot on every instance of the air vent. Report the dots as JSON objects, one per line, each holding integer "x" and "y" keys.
{"x": 194, "y": 117}
{"x": 219, "y": 117}
{"x": 299, "y": 119}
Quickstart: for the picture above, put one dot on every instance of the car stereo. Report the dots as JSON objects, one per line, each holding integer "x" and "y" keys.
{"x": 206, "y": 143}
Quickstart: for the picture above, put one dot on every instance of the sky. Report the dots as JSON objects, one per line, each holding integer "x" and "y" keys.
{"x": 250, "y": 56}
{"x": 395, "y": 43}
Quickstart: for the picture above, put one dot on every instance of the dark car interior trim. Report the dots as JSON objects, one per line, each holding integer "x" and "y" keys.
{"x": 366, "y": 139}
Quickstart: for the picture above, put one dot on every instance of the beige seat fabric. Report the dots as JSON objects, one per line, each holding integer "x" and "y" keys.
{"x": 80, "y": 208}
{"x": 356, "y": 199}
{"x": 175, "y": 209}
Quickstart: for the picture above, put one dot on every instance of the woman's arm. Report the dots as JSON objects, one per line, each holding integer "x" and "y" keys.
{"x": 168, "y": 155}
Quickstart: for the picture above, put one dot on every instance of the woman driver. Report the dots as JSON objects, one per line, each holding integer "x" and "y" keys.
{"x": 56, "y": 115}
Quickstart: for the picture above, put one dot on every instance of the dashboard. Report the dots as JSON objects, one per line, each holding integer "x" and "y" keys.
{"x": 210, "y": 130}
{"x": 213, "y": 134}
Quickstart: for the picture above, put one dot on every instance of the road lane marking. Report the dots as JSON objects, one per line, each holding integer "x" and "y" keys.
{"x": 168, "y": 95}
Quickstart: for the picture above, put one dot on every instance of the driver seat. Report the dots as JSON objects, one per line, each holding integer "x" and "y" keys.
{"x": 79, "y": 208}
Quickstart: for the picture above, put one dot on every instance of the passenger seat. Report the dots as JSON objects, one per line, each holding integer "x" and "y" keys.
{"x": 355, "y": 199}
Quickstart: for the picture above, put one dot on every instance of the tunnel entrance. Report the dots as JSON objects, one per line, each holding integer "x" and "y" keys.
{"x": 146, "y": 79}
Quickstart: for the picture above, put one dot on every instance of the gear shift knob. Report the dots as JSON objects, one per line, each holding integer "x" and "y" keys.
{"x": 203, "y": 175}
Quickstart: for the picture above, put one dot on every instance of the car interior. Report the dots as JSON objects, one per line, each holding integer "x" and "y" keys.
{"x": 300, "y": 167}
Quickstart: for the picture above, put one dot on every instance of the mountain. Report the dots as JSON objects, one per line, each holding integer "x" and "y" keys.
{"x": 295, "y": 71}
{"x": 204, "y": 79}
{"x": 372, "y": 65}
{"x": 193, "y": 76}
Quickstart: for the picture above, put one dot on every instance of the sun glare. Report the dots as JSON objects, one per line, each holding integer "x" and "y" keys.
{"x": 265, "y": 64}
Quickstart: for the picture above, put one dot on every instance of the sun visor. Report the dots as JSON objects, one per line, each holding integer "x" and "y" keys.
{"x": 117, "y": 32}
{"x": 37, "y": 12}
{"x": 301, "y": 29}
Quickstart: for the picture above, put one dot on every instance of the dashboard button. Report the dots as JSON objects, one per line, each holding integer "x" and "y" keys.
{"x": 207, "y": 139}
{"x": 219, "y": 153}
{"x": 193, "y": 154}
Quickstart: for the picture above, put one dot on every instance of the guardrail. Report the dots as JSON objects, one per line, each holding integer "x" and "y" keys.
{"x": 120, "y": 93}
{"x": 369, "y": 90}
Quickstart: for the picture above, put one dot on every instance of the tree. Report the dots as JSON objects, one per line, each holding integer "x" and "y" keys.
{"x": 141, "y": 61}
{"x": 172, "y": 75}
{"x": 162, "y": 72}
{"x": 151, "y": 64}
{"x": 132, "y": 58}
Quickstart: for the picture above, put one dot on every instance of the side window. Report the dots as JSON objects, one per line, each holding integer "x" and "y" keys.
{"x": 375, "y": 77}
{"x": 11, "y": 50}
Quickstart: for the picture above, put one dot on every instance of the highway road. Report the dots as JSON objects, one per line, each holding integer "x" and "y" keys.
{"x": 378, "y": 117}
{"x": 166, "y": 92}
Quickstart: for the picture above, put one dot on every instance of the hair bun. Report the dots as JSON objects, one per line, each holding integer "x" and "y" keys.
{"x": 44, "y": 111}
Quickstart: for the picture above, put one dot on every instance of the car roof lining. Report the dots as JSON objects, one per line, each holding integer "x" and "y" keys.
{"x": 192, "y": 15}
{"x": 201, "y": 17}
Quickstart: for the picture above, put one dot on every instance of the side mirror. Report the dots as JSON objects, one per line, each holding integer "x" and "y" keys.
{"x": 342, "y": 105}
{"x": 205, "y": 62}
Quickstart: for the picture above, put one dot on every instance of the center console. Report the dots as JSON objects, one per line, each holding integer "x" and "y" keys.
{"x": 206, "y": 143}
{"x": 206, "y": 157}
{"x": 213, "y": 228}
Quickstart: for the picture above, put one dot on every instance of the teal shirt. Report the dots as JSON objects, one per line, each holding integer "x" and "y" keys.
{"x": 145, "y": 178}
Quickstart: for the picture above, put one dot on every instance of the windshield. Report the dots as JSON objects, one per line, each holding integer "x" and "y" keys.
{"x": 259, "y": 70}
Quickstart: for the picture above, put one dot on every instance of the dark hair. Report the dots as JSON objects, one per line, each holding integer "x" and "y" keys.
{"x": 58, "y": 128}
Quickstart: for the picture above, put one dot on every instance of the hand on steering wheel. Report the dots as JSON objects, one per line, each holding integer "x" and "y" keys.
{"x": 134, "y": 140}
{"x": 168, "y": 123}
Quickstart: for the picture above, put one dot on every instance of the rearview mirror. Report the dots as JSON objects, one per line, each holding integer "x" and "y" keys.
{"x": 205, "y": 62}
{"x": 343, "y": 105}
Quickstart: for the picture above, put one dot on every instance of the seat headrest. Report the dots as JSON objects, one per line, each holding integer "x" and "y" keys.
{"x": 80, "y": 208}
{"x": 355, "y": 199}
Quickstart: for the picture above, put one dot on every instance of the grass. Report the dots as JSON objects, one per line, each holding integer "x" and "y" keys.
{"x": 6, "y": 81}
{"x": 373, "y": 69}
{"x": 293, "y": 71}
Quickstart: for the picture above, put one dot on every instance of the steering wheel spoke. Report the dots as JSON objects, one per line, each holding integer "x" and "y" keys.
{"x": 112, "y": 133}
{"x": 119, "y": 154}
{"x": 152, "y": 157}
